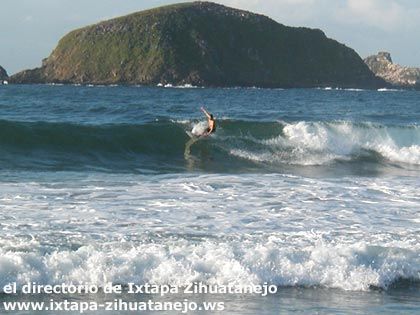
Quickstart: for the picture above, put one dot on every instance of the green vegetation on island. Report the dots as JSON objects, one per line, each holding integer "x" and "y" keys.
{"x": 204, "y": 44}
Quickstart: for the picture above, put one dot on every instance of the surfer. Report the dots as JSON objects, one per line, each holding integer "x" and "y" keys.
{"x": 211, "y": 122}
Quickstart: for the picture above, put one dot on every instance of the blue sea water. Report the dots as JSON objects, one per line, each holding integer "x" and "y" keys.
{"x": 313, "y": 190}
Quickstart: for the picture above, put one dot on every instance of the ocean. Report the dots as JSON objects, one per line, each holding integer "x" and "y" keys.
{"x": 313, "y": 191}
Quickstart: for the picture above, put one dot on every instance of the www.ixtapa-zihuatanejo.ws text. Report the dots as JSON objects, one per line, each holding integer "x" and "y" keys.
{"x": 81, "y": 307}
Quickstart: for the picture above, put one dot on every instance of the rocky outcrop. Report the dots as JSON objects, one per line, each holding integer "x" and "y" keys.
{"x": 201, "y": 43}
{"x": 3, "y": 75}
{"x": 31, "y": 76}
{"x": 400, "y": 76}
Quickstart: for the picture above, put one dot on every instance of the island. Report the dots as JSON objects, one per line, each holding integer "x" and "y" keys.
{"x": 399, "y": 76}
{"x": 201, "y": 44}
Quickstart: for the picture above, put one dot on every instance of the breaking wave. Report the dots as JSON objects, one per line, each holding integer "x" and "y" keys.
{"x": 236, "y": 145}
{"x": 316, "y": 143}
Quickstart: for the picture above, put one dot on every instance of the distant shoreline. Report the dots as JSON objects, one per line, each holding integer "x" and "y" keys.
{"x": 188, "y": 86}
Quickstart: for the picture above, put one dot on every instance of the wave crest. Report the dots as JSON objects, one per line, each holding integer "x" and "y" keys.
{"x": 317, "y": 143}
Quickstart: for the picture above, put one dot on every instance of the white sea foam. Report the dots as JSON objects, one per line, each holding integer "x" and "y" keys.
{"x": 184, "y": 86}
{"x": 187, "y": 86}
{"x": 353, "y": 89}
{"x": 199, "y": 128}
{"x": 286, "y": 230}
{"x": 316, "y": 143}
{"x": 354, "y": 267}
{"x": 181, "y": 121}
{"x": 387, "y": 90}
{"x": 329, "y": 88}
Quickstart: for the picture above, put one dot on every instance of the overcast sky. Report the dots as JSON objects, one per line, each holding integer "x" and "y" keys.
{"x": 30, "y": 29}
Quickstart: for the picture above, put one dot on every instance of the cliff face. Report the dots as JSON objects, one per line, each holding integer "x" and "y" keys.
{"x": 3, "y": 74}
{"x": 201, "y": 43}
{"x": 382, "y": 65}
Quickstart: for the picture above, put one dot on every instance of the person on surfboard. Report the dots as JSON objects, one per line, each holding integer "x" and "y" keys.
{"x": 211, "y": 122}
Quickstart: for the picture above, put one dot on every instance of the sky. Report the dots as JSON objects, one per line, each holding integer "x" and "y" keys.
{"x": 30, "y": 29}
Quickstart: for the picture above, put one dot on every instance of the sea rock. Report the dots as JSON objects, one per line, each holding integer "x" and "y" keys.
{"x": 3, "y": 75}
{"x": 400, "y": 76}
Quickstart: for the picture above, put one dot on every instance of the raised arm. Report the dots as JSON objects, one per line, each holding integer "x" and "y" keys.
{"x": 205, "y": 112}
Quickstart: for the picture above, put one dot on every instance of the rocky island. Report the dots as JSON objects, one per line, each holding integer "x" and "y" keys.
{"x": 204, "y": 44}
{"x": 3, "y": 75}
{"x": 399, "y": 76}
